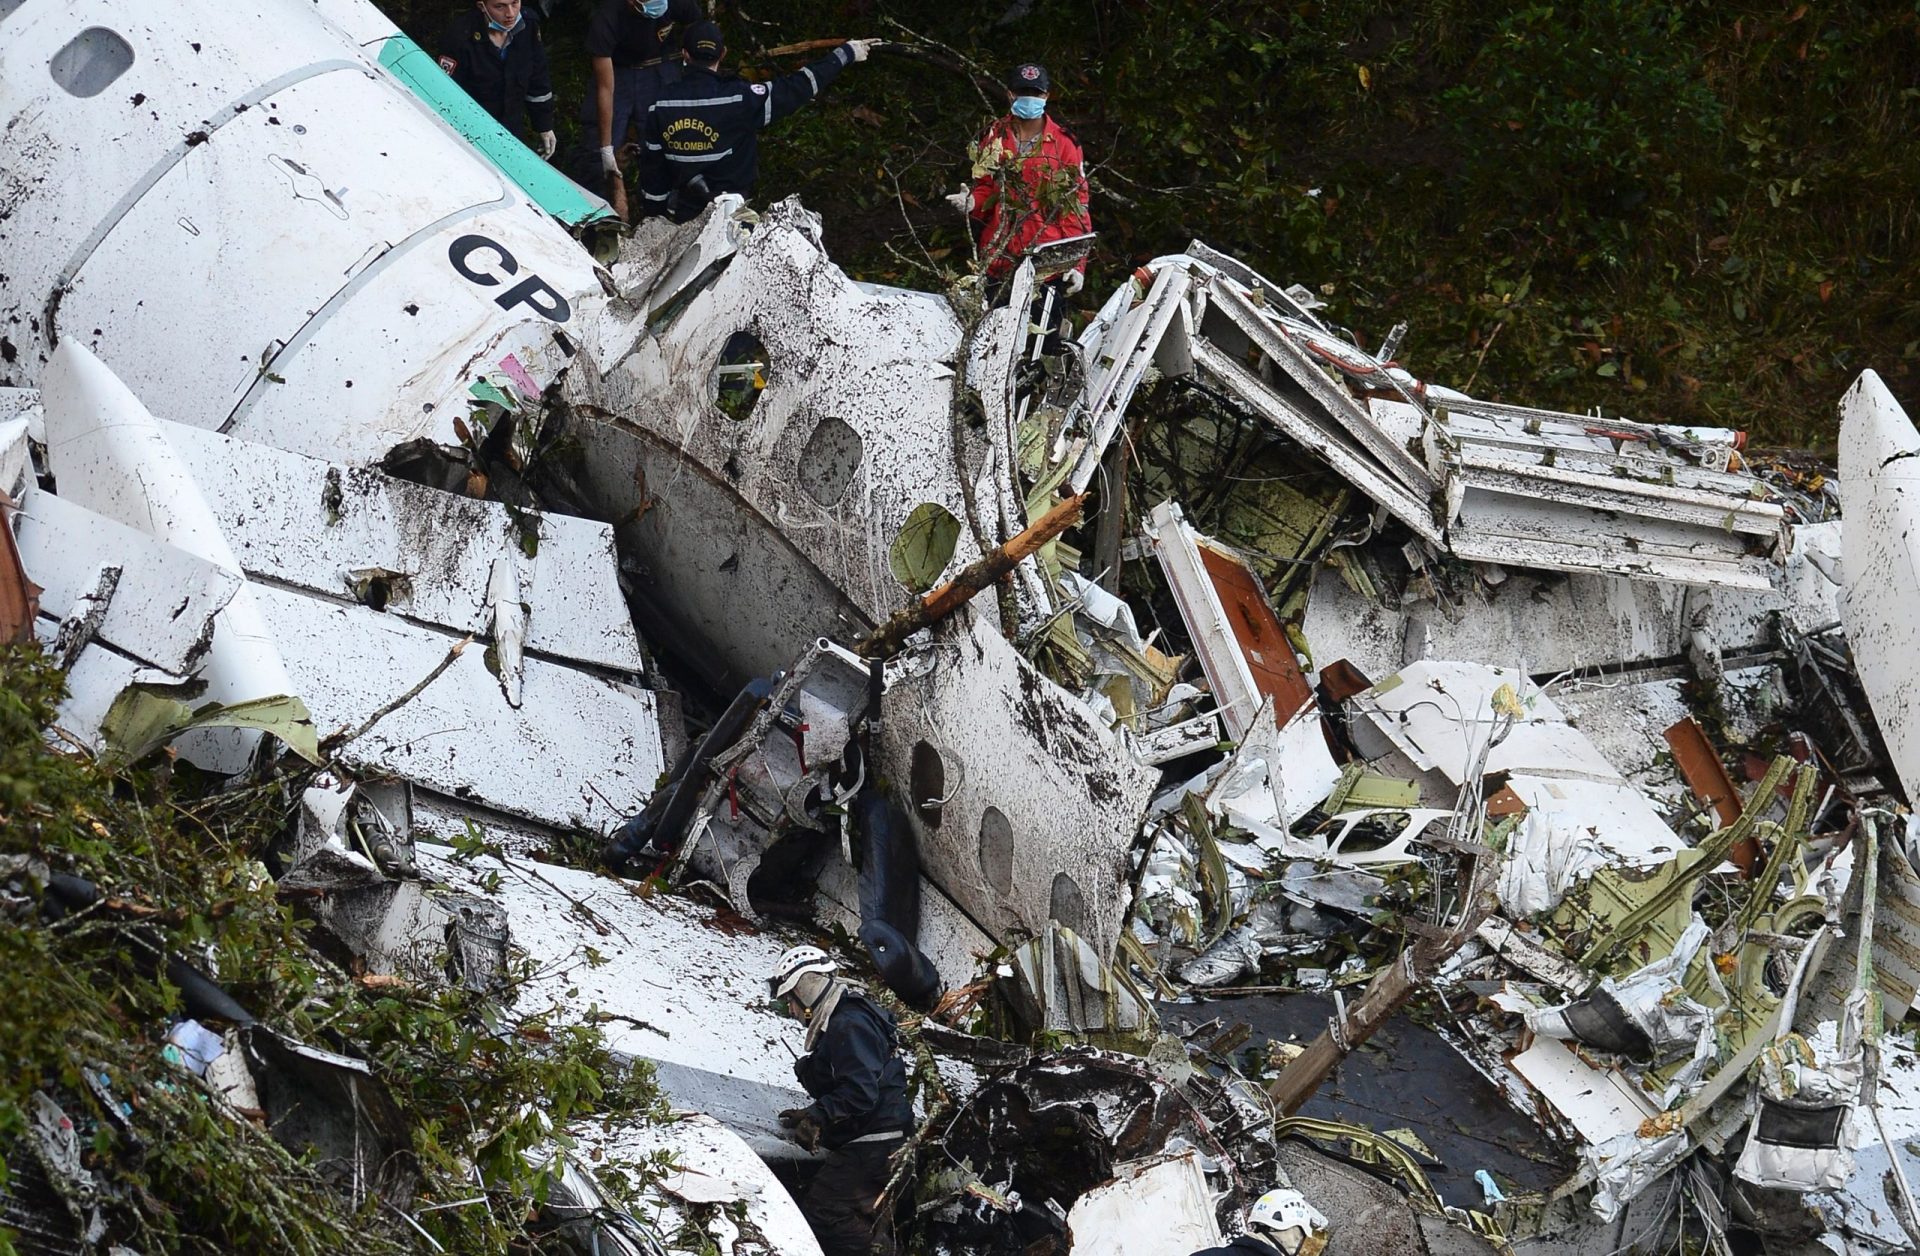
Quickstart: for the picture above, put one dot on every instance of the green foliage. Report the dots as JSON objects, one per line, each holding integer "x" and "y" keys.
{"x": 479, "y": 1085}
{"x": 1692, "y": 213}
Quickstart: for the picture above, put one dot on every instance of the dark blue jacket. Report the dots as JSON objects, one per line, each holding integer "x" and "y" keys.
{"x": 1245, "y": 1245}
{"x": 501, "y": 80}
{"x": 709, "y": 124}
{"x": 858, "y": 1084}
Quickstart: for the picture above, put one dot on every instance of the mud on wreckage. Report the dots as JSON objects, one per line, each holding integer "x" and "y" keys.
{"x": 1242, "y": 762}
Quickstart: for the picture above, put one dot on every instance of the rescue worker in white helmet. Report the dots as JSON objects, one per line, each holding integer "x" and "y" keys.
{"x": 860, "y": 1112}
{"x": 1280, "y": 1223}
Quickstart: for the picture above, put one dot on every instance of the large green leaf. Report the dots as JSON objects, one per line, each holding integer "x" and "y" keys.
{"x": 141, "y": 720}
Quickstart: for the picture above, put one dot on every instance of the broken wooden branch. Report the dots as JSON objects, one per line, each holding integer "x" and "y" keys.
{"x": 805, "y": 45}
{"x": 1389, "y": 991}
{"x": 976, "y": 576}
{"x": 343, "y": 737}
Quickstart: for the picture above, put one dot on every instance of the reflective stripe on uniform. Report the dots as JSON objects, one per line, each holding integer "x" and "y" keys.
{"x": 808, "y": 71}
{"x": 540, "y": 100}
{"x": 702, "y": 157}
{"x": 696, "y": 104}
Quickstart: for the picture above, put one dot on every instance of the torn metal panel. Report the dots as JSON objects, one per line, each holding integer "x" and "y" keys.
{"x": 16, "y": 455}
{"x": 1880, "y": 492}
{"x": 1675, "y": 493}
{"x": 1170, "y": 1191}
{"x": 762, "y": 533}
{"x": 162, "y": 608}
{"x": 112, "y": 456}
{"x": 1699, "y": 764}
{"x": 1352, "y": 465}
{"x": 1438, "y": 713}
{"x": 1275, "y": 776}
{"x": 1600, "y": 1104}
{"x": 1245, "y": 652}
{"x": 1516, "y": 530}
{"x": 1572, "y": 829}
{"x": 699, "y": 249}
{"x": 991, "y": 735}
{"x": 97, "y": 677}
{"x": 413, "y": 551}
{"x": 1553, "y": 621}
{"x": 581, "y": 751}
{"x": 1062, "y": 987}
{"x": 1135, "y": 340}
{"x": 1311, "y": 389}
{"x": 1896, "y": 933}
{"x": 336, "y": 309}
{"x": 19, "y": 596}
{"x": 706, "y": 1163}
{"x": 1372, "y": 837}
{"x": 1263, "y": 290}
{"x": 670, "y": 981}
{"x": 1057, "y": 1127}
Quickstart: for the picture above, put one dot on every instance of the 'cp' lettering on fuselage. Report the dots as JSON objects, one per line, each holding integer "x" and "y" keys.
{"x": 489, "y": 264}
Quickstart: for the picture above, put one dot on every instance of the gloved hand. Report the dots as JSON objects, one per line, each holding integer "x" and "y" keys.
{"x": 805, "y": 1127}
{"x": 962, "y": 201}
{"x": 863, "y": 48}
{"x": 545, "y": 144}
{"x": 608, "y": 163}
{"x": 1073, "y": 281}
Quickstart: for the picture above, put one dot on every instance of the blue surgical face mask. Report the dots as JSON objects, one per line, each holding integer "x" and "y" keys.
{"x": 1029, "y": 107}
{"x": 495, "y": 26}
{"x": 654, "y": 8}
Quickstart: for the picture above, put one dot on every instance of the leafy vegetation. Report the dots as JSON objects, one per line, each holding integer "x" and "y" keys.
{"x": 480, "y": 1085}
{"x": 1691, "y": 212}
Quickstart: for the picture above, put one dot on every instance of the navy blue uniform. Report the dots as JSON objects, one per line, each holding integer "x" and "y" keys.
{"x": 1245, "y": 1245}
{"x": 709, "y": 126}
{"x": 858, "y": 1084}
{"x": 503, "y": 81}
{"x": 859, "y": 1090}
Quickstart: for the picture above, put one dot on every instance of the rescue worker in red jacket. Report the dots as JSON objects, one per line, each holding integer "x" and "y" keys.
{"x": 1032, "y": 188}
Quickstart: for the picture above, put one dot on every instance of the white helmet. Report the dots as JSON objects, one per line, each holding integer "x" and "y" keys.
{"x": 796, "y": 964}
{"x": 1285, "y": 1218}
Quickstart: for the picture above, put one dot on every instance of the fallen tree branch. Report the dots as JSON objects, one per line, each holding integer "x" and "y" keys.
{"x": 972, "y": 579}
{"x": 339, "y": 739}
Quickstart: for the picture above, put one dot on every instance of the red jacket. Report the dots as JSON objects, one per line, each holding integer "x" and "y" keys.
{"x": 1006, "y": 196}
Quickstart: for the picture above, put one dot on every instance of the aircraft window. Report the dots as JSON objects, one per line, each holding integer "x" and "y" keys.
{"x": 996, "y": 851}
{"x": 90, "y": 62}
{"x": 928, "y": 779}
{"x": 827, "y": 464}
{"x": 925, "y": 546}
{"x": 1067, "y": 905}
{"x": 741, "y": 376}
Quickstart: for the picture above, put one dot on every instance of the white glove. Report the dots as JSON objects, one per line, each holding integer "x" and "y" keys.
{"x": 1072, "y": 282}
{"x": 962, "y": 201}
{"x": 547, "y": 143}
{"x": 608, "y": 164}
{"x": 862, "y": 48}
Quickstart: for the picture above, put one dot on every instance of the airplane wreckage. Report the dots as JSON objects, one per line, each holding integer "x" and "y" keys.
{"x": 1160, "y": 720}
